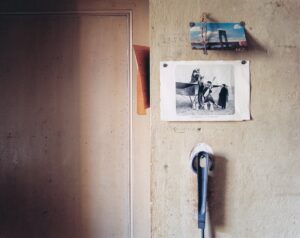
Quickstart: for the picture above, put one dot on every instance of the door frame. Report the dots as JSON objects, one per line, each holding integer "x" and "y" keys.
{"x": 128, "y": 15}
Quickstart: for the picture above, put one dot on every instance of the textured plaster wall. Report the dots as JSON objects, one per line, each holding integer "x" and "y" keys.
{"x": 255, "y": 189}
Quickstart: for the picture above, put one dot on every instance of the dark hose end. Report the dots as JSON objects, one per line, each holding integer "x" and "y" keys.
{"x": 201, "y": 224}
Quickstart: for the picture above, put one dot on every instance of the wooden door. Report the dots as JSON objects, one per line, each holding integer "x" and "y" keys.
{"x": 65, "y": 125}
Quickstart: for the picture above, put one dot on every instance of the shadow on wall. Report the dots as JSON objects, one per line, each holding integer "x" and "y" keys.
{"x": 39, "y": 127}
{"x": 254, "y": 46}
{"x": 216, "y": 195}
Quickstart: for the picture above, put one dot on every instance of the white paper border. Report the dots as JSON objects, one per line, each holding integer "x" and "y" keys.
{"x": 168, "y": 92}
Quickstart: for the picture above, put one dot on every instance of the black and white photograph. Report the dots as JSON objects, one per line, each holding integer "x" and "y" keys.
{"x": 205, "y": 90}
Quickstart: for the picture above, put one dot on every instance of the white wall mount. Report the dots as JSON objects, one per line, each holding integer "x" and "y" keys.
{"x": 201, "y": 147}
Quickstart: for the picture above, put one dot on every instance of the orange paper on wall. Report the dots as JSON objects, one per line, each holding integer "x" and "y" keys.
{"x": 142, "y": 55}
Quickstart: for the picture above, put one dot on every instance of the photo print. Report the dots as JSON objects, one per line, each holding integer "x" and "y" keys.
{"x": 205, "y": 90}
{"x": 218, "y": 36}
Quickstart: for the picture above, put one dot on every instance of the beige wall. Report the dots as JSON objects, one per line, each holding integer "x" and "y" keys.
{"x": 255, "y": 191}
{"x": 141, "y": 133}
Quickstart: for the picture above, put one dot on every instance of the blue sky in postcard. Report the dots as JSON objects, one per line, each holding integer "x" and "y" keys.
{"x": 235, "y": 32}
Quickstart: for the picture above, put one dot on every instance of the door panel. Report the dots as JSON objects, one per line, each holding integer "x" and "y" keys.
{"x": 64, "y": 151}
{"x": 104, "y": 110}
